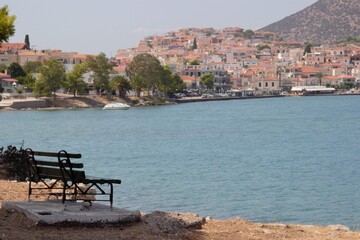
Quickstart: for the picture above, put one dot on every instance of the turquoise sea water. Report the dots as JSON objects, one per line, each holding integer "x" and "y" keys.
{"x": 293, "y": 160}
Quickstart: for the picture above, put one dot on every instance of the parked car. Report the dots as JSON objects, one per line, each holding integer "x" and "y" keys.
{"x": 207, "y": 95}
{"x": 179, "y": 95}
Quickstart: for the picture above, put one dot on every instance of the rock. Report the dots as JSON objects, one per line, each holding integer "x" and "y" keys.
{"x": 163, "y": 222}
{"x": 338, "y": 227}
{"x": 277, "y": 225}
{"x": 208, "y": 218}
{"x": 306, "y": 227}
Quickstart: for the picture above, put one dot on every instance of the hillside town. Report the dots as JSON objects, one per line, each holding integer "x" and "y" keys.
{"x": 242, "y": 62}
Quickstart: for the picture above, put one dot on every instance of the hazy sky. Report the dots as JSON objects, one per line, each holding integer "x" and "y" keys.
{"x": 94, "y": 26}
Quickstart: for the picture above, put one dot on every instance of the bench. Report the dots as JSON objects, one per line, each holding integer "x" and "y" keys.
{"x": 59, "y": 177}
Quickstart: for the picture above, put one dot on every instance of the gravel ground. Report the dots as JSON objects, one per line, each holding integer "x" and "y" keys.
{"x": 14, "y": 225}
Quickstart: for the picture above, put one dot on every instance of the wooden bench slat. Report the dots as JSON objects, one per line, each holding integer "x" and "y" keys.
{"x": 45, "y": 172}
{"x": 56, "y": 164}
{"x": 101, "y": 180}
{"x": 56, "y": 173}
{"x": 53, "y": 154}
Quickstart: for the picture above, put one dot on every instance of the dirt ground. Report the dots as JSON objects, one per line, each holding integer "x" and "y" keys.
{"x": 14, "y": 225}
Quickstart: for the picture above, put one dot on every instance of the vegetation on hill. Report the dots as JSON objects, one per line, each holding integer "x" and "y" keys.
{"x": 349, "y": 40}
{"x": 326, "y": 21}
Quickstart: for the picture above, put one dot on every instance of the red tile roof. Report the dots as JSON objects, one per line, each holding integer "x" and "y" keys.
{"x": 12, "y": 46}
{"x": 186, "y": 78}
{"x": 3, "y": 75}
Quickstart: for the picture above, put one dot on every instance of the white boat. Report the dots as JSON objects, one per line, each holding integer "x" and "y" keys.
{"x": 116, "y": 106}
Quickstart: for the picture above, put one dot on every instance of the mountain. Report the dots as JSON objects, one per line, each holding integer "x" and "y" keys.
{"x": 326, "y": 21}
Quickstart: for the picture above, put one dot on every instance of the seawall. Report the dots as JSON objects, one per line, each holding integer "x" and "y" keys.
{"x": 198, "y": 99}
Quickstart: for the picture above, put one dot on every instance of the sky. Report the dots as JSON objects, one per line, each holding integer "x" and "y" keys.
{"x": 94, "y": 26}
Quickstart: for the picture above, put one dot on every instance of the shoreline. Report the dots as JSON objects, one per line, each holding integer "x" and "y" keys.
{"x": 17, "y": 226}
{"x": 97, "y": 102}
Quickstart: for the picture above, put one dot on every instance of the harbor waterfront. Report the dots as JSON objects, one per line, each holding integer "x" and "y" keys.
{"x": 293, "y": 160}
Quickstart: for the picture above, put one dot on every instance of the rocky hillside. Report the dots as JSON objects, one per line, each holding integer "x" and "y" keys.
{"x": 325, "y": 21}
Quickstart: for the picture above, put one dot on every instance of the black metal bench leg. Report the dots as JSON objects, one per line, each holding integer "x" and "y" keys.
{"x": 111, "y": 195}
{"x": 64, "y": 193}
{"x": 29, "y": 191}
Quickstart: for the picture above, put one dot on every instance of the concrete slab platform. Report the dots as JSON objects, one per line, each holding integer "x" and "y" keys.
{"x": 56, "y": 213}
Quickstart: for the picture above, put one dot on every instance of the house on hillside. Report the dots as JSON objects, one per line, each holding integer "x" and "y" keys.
{"x": 12, "y": 48}
{"x": 7, "y": 59}
{"x": 313, "y": 59}
{"x": 331, "y": 80}
{"x": 9, "y": 52}
{"x": 192, "y": 82}
{"x": 31, "y": 56}
{"x": 7, "y": 85}
{"x": 347, "y": 79}
{"x": 267, "y": 85}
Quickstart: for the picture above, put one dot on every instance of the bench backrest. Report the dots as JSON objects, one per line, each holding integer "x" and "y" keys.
{"x": 51, "y": 165}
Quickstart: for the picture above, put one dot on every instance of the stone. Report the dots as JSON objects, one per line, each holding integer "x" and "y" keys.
{"x": 163, "y": 222}
{"x": 278, "y": 225}
{"x": 338, "y": 227}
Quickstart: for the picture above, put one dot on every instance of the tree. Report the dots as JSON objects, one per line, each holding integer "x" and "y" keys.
{"x": 171, "y": 82}
{"x": 267, "y": 37}
{"x": 177, "y": 84}
{"x": 27, "y": 41}
{"x": 262, "y": 47}
{"x": 165, "y": 80}
{"x": 137, "y": 83}
{"x": 51, "y": 78}
{"x": 74, "y": 80}
{"x": 194, "y": 44}
{"x": 194, "y": 62}
{"x": 3, "y": 67}
{"x": 15, "y": 70}
{"x": 207, "y": 80}
{"x": 319, "y": 75}
{"x": 28, "y": 81}
{"x": 101, "y": 68}
{"x": 121, "y": 84}
{"x": 248, "y": 33}
{"x": 7, "y": 28}
{"x": 346, "y": 85}
{"x": 41, "y": 88}
{"x": 209, "y": 31}
{"x": 307, "y": 48}
{"x": 32, "y": 67}
{"x": 144, "y": 71}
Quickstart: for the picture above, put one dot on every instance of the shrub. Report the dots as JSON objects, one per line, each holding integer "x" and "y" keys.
{"x": 12, "y": 164}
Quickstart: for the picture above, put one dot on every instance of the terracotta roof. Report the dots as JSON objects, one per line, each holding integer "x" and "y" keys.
{"x": 347, "y": 76}
{"x": 119, "y": 68}
{"x": 310, "y": 69}
{"x": 186, "y": 78}
{"x": 331, "y": 77}
{"x": 80, "y": 56}
{"x": 3, "y": 75}
{"x": 14, "y": 46}
{"x": 31, "y": 53}
{"x": 8, "y": 80}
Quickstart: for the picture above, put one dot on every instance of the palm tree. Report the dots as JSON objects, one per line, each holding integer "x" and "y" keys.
{"x": 319, "y": 75}
{"x": 121, "y": 84}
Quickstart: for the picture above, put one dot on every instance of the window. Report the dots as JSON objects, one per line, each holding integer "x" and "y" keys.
{"x": 273, "y": 84}
{"x": 266, "y": 84}
{"x": 259, "y": 84}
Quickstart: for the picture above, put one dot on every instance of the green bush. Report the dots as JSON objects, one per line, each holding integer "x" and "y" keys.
{"x": 12, "y": 164}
